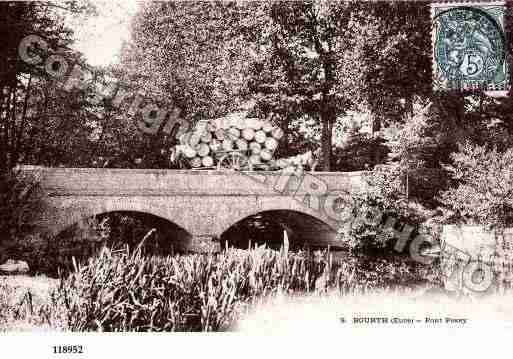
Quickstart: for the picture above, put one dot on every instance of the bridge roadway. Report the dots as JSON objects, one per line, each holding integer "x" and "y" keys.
{"x": 204, "y": 204}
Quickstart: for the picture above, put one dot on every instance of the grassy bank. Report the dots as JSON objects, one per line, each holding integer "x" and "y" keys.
{"x": 25, "y": 304}
{"x": 123, "y": 291}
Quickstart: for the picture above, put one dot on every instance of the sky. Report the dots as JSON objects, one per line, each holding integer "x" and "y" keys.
{"x": 100, "y": 38}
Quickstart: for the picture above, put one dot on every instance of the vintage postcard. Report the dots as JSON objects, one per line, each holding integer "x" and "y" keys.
{"x": 336, "y": 173}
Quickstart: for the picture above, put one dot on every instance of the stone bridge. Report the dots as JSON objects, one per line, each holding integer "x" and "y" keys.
{"x": 204, "y": 204}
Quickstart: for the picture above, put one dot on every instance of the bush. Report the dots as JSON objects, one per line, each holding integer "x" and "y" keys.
{"x": 382, "y": 211}
{"x": 360, "y": 152}
{"x": 416, "y": 151}
{"x": 20, "y": 198}
{"x": 123, "y": 291}
{"x": 483, "y": 192}
{"x": 53, "y": 256}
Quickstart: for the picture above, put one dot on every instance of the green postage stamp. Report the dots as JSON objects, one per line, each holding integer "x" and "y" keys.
{"x": 469, "y": 47}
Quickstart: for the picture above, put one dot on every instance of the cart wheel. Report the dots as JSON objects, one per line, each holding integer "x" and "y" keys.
{"x": 234, "y": 161}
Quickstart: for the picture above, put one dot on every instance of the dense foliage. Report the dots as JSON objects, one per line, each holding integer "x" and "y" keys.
{"x": 40, "y": 122}
{"x": 306, "y": 65}
{"x": 483, "y": 192}
{"x": 20, "y": 198}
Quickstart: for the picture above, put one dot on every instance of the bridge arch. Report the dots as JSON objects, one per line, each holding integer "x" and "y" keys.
{"x": 268, "y": 227}
{"x": 73, "y": 213}
{"x": 282, "y": 203}
{"x": 129, "y": 228}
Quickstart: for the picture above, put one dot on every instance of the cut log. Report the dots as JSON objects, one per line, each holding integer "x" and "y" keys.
{"x": 268, "y": 127}
{"x": 207, "y": 161}
{"x": 241, "y": 144}
{"x": 203, "y": 149}
{"x": 255, "y": 147}
{"x": 266, "y": 154}
{"x": 220, "y": 134}
{"x": 233, "y": 133}
{"x": 248, "y": 134}
{"x": 277, "y": 133}
{"x": 227, "y": 144}
{"x": 206, "y": 137}
{"x": 215, "y": 145}
{"x": 196, "y": 162}
{"x": 260, "y": 136}
{"x": 271, "y": 144}
{"x": 189, "y": 152}
{"x": 193, "y": 139}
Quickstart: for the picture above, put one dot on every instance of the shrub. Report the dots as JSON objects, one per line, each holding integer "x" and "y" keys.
{"x": 380, "y": 216}
{"x": 417, "y": 149}
{"x": 359, "y": 153}
{"x": 383, "y": 210}
{"x": 483, "y": 195}
{"x": 125, "y": 291}
{"x": 483, "y": 192}
{"x": 20, "y": 198}
{"x": 53, "y": 255}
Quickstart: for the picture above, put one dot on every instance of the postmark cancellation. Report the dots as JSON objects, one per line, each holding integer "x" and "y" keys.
{"x": 469, "y": 47}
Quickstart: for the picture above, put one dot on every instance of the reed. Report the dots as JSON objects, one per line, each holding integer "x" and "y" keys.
{"x": 126, "y": 291}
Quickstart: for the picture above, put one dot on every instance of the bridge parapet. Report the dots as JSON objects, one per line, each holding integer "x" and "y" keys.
{"x": 83, "y": 181}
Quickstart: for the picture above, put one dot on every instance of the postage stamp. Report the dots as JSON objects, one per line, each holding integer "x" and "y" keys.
{"x": 469, "y": 47}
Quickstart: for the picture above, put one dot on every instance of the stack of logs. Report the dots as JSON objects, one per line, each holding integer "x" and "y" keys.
{"x": 254, "y": 137}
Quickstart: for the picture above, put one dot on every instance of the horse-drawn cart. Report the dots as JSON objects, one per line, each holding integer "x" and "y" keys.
{"x": 233, "y": 160}
{"x": 241, "y": 144}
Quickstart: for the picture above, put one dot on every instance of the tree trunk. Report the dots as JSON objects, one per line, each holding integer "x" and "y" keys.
{"x": 326, "y": 139}
{"x": 21, "y": 128}
{"x": 285, "y": 152}
{"x": 376, "y": 127}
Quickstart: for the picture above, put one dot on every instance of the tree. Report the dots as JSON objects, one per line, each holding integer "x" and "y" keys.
{"x": 396, "y": 58}
{"x": 307, "y": 63}
{"x": 185, "y": 54}
{"x": 36, "y": 125}
{"x": 484, "y": 186}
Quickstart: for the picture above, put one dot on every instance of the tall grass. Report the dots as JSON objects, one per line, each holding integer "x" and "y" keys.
{"x": 26, "y": 304}
{"x": 125, "y": 291}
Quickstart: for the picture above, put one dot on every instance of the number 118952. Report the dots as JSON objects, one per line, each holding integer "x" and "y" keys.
{"x": 68, "y": 349}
